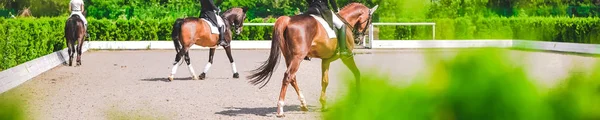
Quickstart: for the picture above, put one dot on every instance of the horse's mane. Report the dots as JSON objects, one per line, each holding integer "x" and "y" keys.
{"x": 230, "y": 12}
{"x": 354, "y": 4}
{"x": 191, "y": 19}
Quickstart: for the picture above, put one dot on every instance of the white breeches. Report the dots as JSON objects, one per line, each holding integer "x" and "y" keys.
{"x": 220, "y": 21}
{"x": 337, "y": 22}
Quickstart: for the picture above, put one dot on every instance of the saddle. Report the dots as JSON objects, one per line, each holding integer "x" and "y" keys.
{"x": 213, "y": 28}
{"x": 323, "y": 23}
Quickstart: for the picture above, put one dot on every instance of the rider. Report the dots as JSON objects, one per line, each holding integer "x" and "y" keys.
{"x": 77, "y": 7}
{"x": 321, "y": 7}
{"x": 209, "y": 11}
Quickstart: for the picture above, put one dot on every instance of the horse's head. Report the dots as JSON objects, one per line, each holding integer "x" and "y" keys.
{"x": 360, "y": 18}
{"x": 235, "y": 19}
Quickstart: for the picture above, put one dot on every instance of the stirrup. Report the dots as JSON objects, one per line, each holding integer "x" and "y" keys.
{"x": 223, "y": 43}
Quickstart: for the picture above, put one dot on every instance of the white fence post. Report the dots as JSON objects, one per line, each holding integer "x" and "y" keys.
{"x": 371, "y": 37}
{"x": 433, "y": 31}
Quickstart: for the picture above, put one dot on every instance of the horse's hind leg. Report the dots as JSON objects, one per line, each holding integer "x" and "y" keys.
{"x": 71, "y": 50}
{"x": 233, "y": 67}
{"x": 211, "y": 55}
{"x": 176, "y": 64}
{"x": 189, "y": 63}
{"x": 303, "y": 106}
{"x": 288, "y": 77}
{"x": 294, "y": 83}
{"x": 80, "y": 50}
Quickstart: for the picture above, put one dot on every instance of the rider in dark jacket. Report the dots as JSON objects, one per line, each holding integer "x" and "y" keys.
{"x": 208, "y": 12}
{"x": 321, "y": 7}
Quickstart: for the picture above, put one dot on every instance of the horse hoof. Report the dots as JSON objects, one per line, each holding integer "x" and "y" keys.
{"x": 202, "y": 76}
{"x": 304, "y": 108}
{"x": 280, "y": 115}
{"x": 170, "y": 78}
{"x": 195, "y": 78}
{"x": 236, "y": 75}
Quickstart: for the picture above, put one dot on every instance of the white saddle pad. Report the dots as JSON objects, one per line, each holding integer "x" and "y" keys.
{"x": 329, "y": 30}
{"x": 213, "y": 28}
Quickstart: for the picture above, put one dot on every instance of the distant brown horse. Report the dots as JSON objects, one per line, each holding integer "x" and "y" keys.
{"x": 75, "y": 32}
{"x": 194, "y": 31}
{"x": 301, "y": 36}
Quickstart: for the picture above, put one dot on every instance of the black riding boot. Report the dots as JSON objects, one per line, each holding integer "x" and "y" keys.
{"x": 222, "y": 37}
{"x": 341, "y": 37}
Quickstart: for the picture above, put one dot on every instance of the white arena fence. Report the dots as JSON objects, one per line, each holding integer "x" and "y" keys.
{"x": 17, "y": 75}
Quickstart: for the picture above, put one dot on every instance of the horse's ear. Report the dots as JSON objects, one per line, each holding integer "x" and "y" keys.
{"x": 372, "y": 10}
{"x": 245, "y": 9}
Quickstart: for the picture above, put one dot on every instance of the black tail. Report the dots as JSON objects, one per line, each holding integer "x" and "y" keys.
{"x": 176, "y": 34}
{"x": 265, "y": 71}
{"x": 71, "y": 29}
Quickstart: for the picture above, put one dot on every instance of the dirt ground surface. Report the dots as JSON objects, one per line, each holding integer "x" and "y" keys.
{"x": 133, "y": 84}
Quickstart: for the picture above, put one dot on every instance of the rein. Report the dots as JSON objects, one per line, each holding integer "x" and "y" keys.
{"x": 355, "y": 29}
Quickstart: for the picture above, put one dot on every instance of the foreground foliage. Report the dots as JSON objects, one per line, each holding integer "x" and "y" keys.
{"x": 477, "y": 84}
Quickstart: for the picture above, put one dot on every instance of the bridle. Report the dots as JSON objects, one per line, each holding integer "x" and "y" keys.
{"x": 233, "y": 26}
{"x": 355, "y": 29}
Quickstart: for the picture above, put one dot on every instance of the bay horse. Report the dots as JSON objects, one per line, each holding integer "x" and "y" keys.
{"x": 74, "y": 32}
{"x": 301, "y": 36}
{"x": 194, "y": 31}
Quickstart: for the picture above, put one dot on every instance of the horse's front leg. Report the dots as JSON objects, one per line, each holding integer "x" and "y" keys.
{"x": 233, "y": 67}
{"x": 349, "y": 62}
{"x": 324, "y": 82}
{"x": 211, "y": 55}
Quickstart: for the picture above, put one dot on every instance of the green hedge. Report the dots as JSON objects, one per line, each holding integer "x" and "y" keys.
{"x": 130, "y": 30}
{"x": 154, "y": 29}
{"x": 576, "y": 30}
{"x": 160, "y": 29}
{"x": 22, "y": 40}
{"x": 25, "y": 39}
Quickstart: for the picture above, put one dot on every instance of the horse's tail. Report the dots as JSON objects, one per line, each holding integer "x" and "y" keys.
{"x": 176, "y": 34}
{"x": 71, "y": 28}
{"x": 67, "y": 29}
{"x": 265, "y": 71}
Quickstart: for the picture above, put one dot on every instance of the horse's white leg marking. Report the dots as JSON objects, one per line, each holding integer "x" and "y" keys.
{"x": 192, "y": 71}
{"x": 233, "y": 68}
{"x": 207, "y": 67}
{"x": 175, "y": 66}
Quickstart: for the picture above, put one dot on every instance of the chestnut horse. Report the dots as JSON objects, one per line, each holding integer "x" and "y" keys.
{"x": 194, "y": 31}
{"x": 301, "y": 36}
{"x": 75, "y": 32}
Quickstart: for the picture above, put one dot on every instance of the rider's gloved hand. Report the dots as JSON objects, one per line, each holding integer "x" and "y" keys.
{"x": 218, "y": 11}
